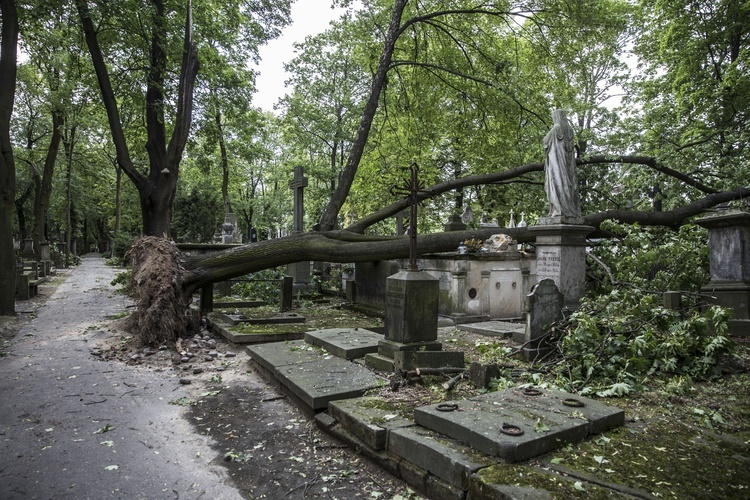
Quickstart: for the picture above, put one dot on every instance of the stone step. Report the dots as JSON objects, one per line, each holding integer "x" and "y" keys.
{"x": 380, "y": 363}
{"x": 312, "y": 375}
{"x": 447, "y": 459}
{"x": 517, "y": 424}
{"x": 370, "y": 419}
{"x": 347, "y": 343}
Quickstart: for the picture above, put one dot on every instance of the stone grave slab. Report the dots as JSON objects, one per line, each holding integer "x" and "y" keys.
{"x": 368, "y": 418}
{"x": 347, "y": 343}
{"x": 253, "y": 337}
{"x": 271, "y": 356}
{"x": 312, "y": 376}
{"x": 279, "y": 319}
{"x": 238, "y": 304}
{"x": 326, "y": 379}
{"x": 493, "y": 328}
{"x": 516, "y": 424}
{"x": 446, "y": 458}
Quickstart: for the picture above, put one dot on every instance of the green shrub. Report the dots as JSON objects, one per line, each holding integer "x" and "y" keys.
{"x": 121, "y": 243}
{"x": 264, "y": 285}
{"x": 622, "y": 335}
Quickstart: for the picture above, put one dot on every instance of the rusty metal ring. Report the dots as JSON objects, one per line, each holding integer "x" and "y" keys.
{"x": 510, "y": 429}
{"x": 447, "y": 407}
{"x": 530, "y": 391}
{"x": 575, "y": 403}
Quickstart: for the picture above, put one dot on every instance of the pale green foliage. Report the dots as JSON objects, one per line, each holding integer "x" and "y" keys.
{"x": 623, "y": 335}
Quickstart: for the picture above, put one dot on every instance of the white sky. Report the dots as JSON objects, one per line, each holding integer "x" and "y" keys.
{"x": 309, "y": 17}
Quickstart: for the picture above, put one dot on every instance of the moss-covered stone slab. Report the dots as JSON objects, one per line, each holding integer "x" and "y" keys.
{"x": 312, "y": 375}
{"x": 327, "y": 379}
{"x": 445, "y": 458}
{"x": 278, "y": 319}
{"x": 347, "y": 343}
{"x": 260, "y": 337}
{"x": 368, "y": 418}
{"x": 515, "y": 424}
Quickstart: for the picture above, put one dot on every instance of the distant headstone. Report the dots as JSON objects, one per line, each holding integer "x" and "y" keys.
{"x": 226, "y": 231}
{"x": 454, "y": 224}
{"x": 287, "y": 293}
{"x": 253, "y": 235}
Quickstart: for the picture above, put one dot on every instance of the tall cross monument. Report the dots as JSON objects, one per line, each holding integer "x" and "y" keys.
{"x": 300, "y": 271}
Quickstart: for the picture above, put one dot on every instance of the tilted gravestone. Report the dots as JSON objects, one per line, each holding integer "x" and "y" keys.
{"x": 544, "y": 307}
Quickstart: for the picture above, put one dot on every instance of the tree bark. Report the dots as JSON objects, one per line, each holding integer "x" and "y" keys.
{"x": 8, "y": 53}
{"x": 44, "y": 184}
{"x": 330, "y": 216}
{"x": 347, "y": 246}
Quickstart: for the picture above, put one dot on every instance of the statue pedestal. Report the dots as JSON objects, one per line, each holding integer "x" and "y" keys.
{"x": 561, "y": 257}
{"x": 729, "y": 258}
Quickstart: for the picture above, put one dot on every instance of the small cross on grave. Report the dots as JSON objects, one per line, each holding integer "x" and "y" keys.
{"x": 413, "y": 189}
{"x": 298, "y": 184}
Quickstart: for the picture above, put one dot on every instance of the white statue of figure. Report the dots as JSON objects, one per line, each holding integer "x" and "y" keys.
{"x": 560, "y": 178}
{"x": 468, "y": 215}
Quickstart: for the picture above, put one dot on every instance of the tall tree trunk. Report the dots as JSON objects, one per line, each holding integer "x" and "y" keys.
{"x": 118, "y": 199}
{"x": 224, "y": 165}
{"x": 329, "y": 219}
{"x": 69, "y": 140}
{"x": 157, "y": 190}
{"x": 44, "y": 184}
{"x": 8, "y": 51}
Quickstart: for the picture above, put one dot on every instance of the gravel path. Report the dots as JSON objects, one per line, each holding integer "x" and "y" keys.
{"x": 72, "y": 426}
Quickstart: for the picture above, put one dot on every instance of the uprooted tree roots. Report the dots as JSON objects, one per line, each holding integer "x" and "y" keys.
{"x": 161, "y": 314}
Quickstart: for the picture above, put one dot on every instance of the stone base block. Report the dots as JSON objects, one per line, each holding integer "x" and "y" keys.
{"x": 409, "y": 360}
{"x": 380, "y": 363}
{"x": 389, "y": 348}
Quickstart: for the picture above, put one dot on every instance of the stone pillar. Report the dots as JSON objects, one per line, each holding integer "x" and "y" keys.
{"x": 561, "y": 257}
{"x": 299, "y": 271}
{"x": 486, "y": 292}
{"x": 28, "y": 248}
{"x": 729, "y": 258}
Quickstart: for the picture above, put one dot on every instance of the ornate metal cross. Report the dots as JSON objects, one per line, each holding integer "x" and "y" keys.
{"x": 412, "y": 189}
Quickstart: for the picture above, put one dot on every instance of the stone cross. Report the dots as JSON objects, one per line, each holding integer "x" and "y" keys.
{"x": 413, "y": 189}
{"x": 298, "y": 184}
